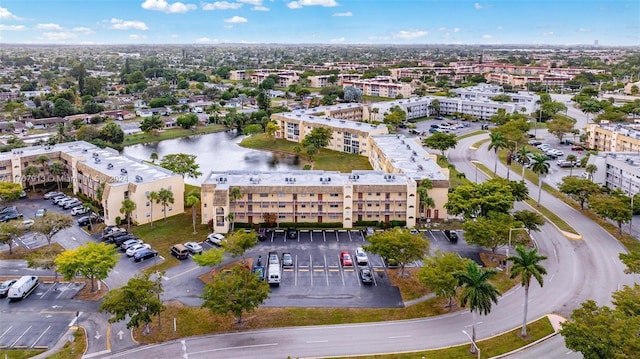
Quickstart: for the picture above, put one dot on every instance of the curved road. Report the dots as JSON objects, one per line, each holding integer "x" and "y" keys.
{"x": 577, "y": 270}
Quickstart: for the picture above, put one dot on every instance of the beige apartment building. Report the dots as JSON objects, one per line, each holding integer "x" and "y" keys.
{"x": 323, "y": 80}
{"x": 341, "y": 111}
{"x": 613, "y": 137}
{"x": 285, "y": 78}
{"x": 380, "y": 88}
{"x": 88, "y": 167}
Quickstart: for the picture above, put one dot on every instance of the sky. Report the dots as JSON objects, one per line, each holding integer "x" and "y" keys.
{"x": 536, "y": 22}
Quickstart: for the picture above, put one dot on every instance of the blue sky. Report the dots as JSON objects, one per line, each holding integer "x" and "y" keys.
{"x": 552, "y": 22}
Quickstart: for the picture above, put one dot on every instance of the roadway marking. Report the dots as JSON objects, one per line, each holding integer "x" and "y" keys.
{"x": 96, "y": 354}
{"x": 40, "y": 337}
{"x": 74, "y": 238}
{"x": 20, "y": 337}
{"x": 62, "y": 292}
{"x": 239, "y": 347}
{"x": 317, "y": 341}
{"x": 185, "y": 272}
{"x": 400, "y": 336}
{"x": 325, "y": 265}
{"x": 5, "y": 332}
{"x": 47, "y": 291}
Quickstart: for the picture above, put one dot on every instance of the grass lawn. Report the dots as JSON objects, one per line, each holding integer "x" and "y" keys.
{"x": 169, "y": 134}
{"x": 471, "y": 134}
{"x": 73, "y": 350}
{"x": 20, "y": 354}
{"x": 22, "y": 252}
{"x": 410, "y": 287}
{"x": 326, "y": 160}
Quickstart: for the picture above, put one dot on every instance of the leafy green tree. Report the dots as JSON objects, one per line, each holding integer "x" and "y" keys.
{"x": 318, "y": 138}
{"x": 239, "y": 242}
{"x": 87, "y": 133}
{"x": 263, "y": 100}
{"x": 396, "y": 117}
{"x": 498, "y": 142}
{"x": 423, "y": 195}
{"x": 112, "y": 132}
{"x": 573, "y": 159}
{"x": 560, "y": 125}
{"x": 490, "y": 231}
{"x": 187, "y": 121}
{"x": 209, "y": 258}
{"x": 138, "y": 300}
{"x": 51, "y": 223}
{"x": 91, "y": 260}
{"x": 590, "y": 107}
{"x": 579, "y": 189}
{"x": 182, "y": 164}
{"x": 31, "y": 173}
{"x": 128, "y": 206}
{"x": 193, "y": 201}
{"x": 154, "y": 157}
{"x": 352, "y": 94}
{"x": 152, "y": 124}
{"x": 271, "y": 129}
{"x": 44, "y": 258}
{"x": 477, "y": 292}
{"x": 235, "y": 292}
{"x": 526, "y": 265}
{"x": 590, "y": 169}
{"x": 529, "y": 219}
{"x": 437, "y": 274}
{"x": 613, "y": 207}
{"x": 9, "y": 191}
{"x": 540, "y": 166}
{"x": 252, "y": 129}
{"x": 9, "y": 231}
{"x": 631, "y": 260}
{"x": 398, "y": 244}
{"x": 441, "y": 141}
{"x": 478, "y": 199}
{"x": 165, "y": 197}
{"x": 63, "y": 108}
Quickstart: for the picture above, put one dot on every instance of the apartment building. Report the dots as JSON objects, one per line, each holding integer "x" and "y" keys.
{"x": 523, "y": 80}
{"x": 88, "y": 167}
{"x": 342, "y": 111}
{"x": 613, "y": 137}
{"x": 285, "y": 78}
{"x": 617, "y": 170}
{"x": 348, "y": 136}
{"x": 380, "y": 88}
{"x": 238, "y": 75}
{"x": 323, "y": 80}
{"x": 309, "y": 196}
{"x": 484, "y": 92}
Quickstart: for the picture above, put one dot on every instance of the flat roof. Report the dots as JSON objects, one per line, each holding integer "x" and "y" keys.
{"x": 408, "y": 156}
{"x": 331, "y": 122}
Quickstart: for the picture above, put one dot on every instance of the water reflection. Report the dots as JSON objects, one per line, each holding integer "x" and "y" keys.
{"x": 216, "y": 151}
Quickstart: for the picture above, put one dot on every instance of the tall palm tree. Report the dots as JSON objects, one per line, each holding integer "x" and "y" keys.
{"x": 57, "y": 169}
{"x": 526, "y": 265}
{"x": 165, "y": 197}
{"x": 591, "y": 169}
{"x": 31, "y": 172}
{"x": 590, "y": 106}
{"x": 524, "y": 159}
{"x": 571, "y": 158}
{"x": 477, "y": 292}
{"x": 42, "y": 160}
{"x": 540, "y": 166}
{"x": 234, "y": 195}
{"x": 152, "y": 197}
{"x": 423, "y": 195}
{"x": 193, "y": 201}
{"x": 128, "y": 206}
{"x": 498, "y": 141}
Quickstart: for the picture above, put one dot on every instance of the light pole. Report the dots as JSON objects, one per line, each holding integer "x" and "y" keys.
{"x": 509, "y": 246}
{"x": 473, "y": 342}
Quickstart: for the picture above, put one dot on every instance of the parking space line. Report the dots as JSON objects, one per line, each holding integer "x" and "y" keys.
{"x": 5, "y": 332}
{"x": 349, "y": 233}
{"x": 20, "y": 337}
{"x": 40, "y": 337}
{"x": 295, "y": 274}
{"x": 62, "y": 292}
{"x": 47, "y": 291}
{"x": 326, "y": 274}
{"x": 311, "y": 266}
{"x": 341, "y": 272}
{"x": 356, "y": 271}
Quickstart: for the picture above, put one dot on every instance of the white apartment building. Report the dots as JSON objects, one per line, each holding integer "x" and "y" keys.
{"x": 380, "y": 88}
{"x": 617, "y": 170}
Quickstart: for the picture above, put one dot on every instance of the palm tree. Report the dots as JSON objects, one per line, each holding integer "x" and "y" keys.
{"x": 31, "y": 172}
{"x": 591, "y": 169}
{"x": 165, "y": 197}
{"x": 152, "y": 197}
{"x": 154, "y": 157}
{"x": 590, "y": 106}
{"x": 234, "y": 195}
{"x": 128, "y": 206}
{"x": 193, "y": 200}
{"x": 57, "y": 169}
{"x": 540, "y": 166}
{"x": 498, "y": 141}
{"x": 523, "y": 152}
{"x": 571, "y": 158}
{"x": 423, "y": 195}
{"x": 526, "y": 265}
{"x": 477, "y": 292}
{"x": 42, "y": 160}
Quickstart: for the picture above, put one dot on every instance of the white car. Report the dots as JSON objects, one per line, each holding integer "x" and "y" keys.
{"x": 193, "y": 247}
{"x": 79, "y": 210}
{"x": 28, "y": 223}
{"x": 216, "y": 239}
{"x": 361, "y": 257}
{"x": 130, "y": 242}
{"x": 137, "y": 247}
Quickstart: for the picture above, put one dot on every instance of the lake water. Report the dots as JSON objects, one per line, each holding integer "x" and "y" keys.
{"x": 218, "y": 151}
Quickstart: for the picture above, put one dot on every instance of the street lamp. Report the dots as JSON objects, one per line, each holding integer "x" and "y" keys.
{"x": 509, "y": 246}
{"x": 473, "y": 342}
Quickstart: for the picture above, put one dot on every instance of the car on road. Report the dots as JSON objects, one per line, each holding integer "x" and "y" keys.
{"x": 345, "y": 259}
{"x": 4, "y": 287}
{"x": 79, "y": 210}
{"x": 131, "y": 251}
{"x": 40, "y": 212}
{"x": 366, "y": 276}
{"x": 95, "y": 218}
{"x": 216, "y": 239}
{"x": 292, "y": 233}
{"x": 144, "y": 254}
{"x": 193, "y": 247}
{"x": 287, "y": 260}
{"x": 130, "y": 242}
{"x": 361, "y": 257}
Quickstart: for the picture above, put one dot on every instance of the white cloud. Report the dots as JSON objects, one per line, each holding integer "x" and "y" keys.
{"x": 83, "y": 30}
{"x": 48, "y": 27}
{"x": 221, "y": 5}
{"x": 119, "y": 24}
{"x": 339, "y": 14}
{"x": 4, "y": 27}
{"x": 137, "y": 37}
{"x": 374, "y": 37}
{"x": 164, "y": 6}
{"x": 59, "y": 35}
{"x": 477, "y": 6}
{"x": 203, "y": 40}
{"x": 251, "y": 2}
{"x": 582, "y": 29}
{"x": 446, "y": 29}
{"x": 487, "y": 36}
{"x": 5, "y": 14}
{"x": 338, "y": 40}
{"x": 409, "y": 35}
{"x": 550, "y": 33}
{"x": 236, "y": 20}
{"x": 174, "y": 36}
{"x": 300, "y": 3}
{"x": 260, "y": 8}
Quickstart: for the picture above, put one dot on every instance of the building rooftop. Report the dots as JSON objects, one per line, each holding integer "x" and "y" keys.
{"x": 408, "y": 156}
{"x": 332, "y": 122}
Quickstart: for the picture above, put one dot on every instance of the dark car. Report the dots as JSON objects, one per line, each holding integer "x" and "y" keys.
{"x": 4, "y": 287}
{"x": 366, "y": 276}
{"x": 144, "y": 254}
{"x": 451, "y": 235}
{"x": 262, "y": 234}
{"x": 292, "y": 233}
{"x": 119, "y": 240}
{"x": 435, "y": 126}
{"x": 9, "y": 216}
{"x": 6, "y": 210}
{"x": 84, "y": 221}
{"x": 259, "y": 272}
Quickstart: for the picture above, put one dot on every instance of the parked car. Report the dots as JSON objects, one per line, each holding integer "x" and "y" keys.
{"x": 71, "y": 204}
{"x": 64, "y": 201}
{"x": 414, "y": 231}
{"x": 451, "y": 235}
{"x": 51, "y": 194}
{"x": 565, "y": 163}
{"x": 366, "y": 276}
{"x": 84, "y": 221}
{"x": 130, "y": 242}
{"x": 6, "y": 210}
{"x": 40, "y": 212}
{"x": 345, "y": 259}
{"x": 117, "y": 241}
{"x": 292, "y": 233}
{"x": 131, "y": 251}
{"x": 577, "y": 148}
{"x": 109, "y": 231}
{"x": 259, "y": 271}
{"x": 262, "y": 234}
{"x": 193, "y": 247}
{"x": 361, "y": 257}
{"x": 179, "y": 251}
{"x": 10, "y": 216}
{"x": 144, "y": 254}
{"x": 216, "y": 239}
{"x": 4, "y": 287}
{"x": 27, "y": 223}
{"x": 287, "y": 260}
{"x": 79, "y": 210}
{"x": 369, "y": 231}
{"x": 58, "y": 198}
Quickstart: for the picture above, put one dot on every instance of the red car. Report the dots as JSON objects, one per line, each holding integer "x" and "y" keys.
{"x": 345, "y": 259}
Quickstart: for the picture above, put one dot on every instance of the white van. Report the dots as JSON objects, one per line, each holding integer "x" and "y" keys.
{"x": 23, "y": 287}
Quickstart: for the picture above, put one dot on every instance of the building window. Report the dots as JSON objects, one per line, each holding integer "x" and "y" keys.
{"x": 281, "y": 194}
{"x": 148, "y": 204}
{"x": 333, "y": 195}
{"x": 263, "y": 195}
{"x": 264, "y": 205}
{"x": 378, "y": 194}
{"x": 282, "y": 216}
{"x": 312, "y": 194}
{"x": 333, "y": 206}
{"x": 281, "y": 205}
